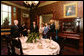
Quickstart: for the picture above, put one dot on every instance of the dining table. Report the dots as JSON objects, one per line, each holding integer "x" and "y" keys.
{"x": 41, "y": 47}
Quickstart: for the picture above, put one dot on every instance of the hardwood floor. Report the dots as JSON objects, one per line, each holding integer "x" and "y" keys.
{"x": 81, "y": 44}
{"x": 73, "y": 51}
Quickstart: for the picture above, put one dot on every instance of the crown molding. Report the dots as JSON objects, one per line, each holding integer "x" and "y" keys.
{"x": 22, "y": 7}
{"x": 47, "y": 3}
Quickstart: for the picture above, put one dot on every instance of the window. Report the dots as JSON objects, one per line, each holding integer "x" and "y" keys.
{"x": 5, "y": 13}
{"x": 14, "y": 12}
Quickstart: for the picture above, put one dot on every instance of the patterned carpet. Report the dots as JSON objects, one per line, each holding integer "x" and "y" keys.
{"x": 4, "y": 51}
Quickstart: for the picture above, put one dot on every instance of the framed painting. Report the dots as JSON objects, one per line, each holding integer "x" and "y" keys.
{"x": 70, "y": 10}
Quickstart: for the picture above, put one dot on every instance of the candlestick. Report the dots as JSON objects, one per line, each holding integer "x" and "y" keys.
{"x": 50, "y": 39}
{"x": 33, "y": 41}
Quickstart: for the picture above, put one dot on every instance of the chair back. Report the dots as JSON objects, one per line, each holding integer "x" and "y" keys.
{"x": 9, "y": 45}
{"x": 17, "y": 44}
{"x": 12, "y": 44}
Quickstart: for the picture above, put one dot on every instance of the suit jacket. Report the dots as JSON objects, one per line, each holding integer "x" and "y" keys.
{"x": 15, "y": 32}
{"x": 52, "y": 28}
{"x": 34, "y": 29}
{"x": 24, "y": 32}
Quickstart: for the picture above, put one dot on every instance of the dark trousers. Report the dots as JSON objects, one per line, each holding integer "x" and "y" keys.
{"x": 52, "y": 34}
{"x": 24, "y": 33}
{"x": 45, "y": 36}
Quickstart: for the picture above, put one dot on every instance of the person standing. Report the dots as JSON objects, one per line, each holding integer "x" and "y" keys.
{"x": 15, "y": 34}
{"x": 15, "y": 30}
{"x": 52, "y": 27}
{"x": 24, "y": 30}
{"x": 46, "y": 29}
{"x": 41, "y": 29}
{"x": 34, "y": 28}
{"x": 57, "y": 30}
{"x": 52, "y": 30}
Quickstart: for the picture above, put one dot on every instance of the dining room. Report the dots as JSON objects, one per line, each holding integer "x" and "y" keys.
{"x": 41, "y": 27}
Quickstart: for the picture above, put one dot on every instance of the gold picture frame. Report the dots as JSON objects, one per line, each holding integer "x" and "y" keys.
{"x": 70, "y": 10}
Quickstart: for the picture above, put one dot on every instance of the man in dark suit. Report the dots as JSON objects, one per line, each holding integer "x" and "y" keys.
{"x": 34, "y": 27}
{"x": 52, "y": 30}
{"x": 15, "y": 34}
{"x": 52, "y": 26}
{"x": 15, "y": 29}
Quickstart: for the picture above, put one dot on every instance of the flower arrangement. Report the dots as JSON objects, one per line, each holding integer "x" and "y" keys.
{"x": 32, "y": 37}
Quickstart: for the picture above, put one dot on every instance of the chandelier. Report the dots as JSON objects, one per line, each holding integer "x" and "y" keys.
{"x": 31, "y": 3}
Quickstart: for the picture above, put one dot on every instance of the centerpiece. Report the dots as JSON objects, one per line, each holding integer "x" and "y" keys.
{"x": 32, "y": 37}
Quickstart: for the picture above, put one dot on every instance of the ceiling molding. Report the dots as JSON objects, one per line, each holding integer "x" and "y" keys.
{"x": 47, "y": 3}
{"x": 22, "y": 7}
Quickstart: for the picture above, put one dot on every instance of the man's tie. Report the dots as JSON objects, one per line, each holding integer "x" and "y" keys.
{"x": 16, "y": 26}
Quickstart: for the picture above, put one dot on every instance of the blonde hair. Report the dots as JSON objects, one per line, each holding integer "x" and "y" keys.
{"x": 56, "y": 24}
{"x": 51, "y": 21}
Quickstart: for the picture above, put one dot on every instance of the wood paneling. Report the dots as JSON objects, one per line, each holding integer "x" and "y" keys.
{"x": 25, "y": 20}
{"x": 57, "y": 9}
{"x": 19, "y": 15}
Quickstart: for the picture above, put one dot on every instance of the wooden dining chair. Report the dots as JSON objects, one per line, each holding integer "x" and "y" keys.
{"x": 12, "y": 44}
{"x": 9, "y": 44}
{"x": 16, "y": 44}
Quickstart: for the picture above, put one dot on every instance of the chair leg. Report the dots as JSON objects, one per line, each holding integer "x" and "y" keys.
{"x": 12, "y": 47}
{"x": 20, "y": 47}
